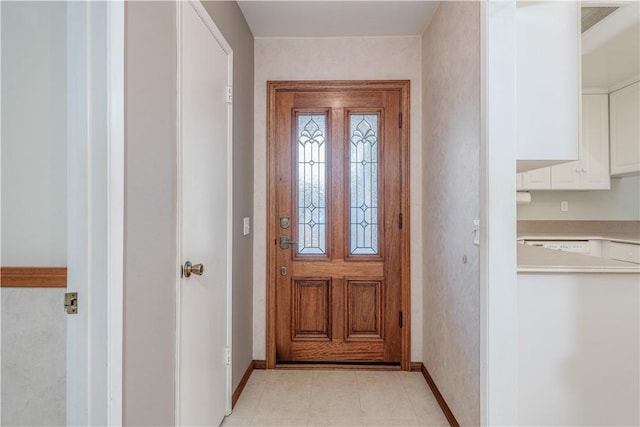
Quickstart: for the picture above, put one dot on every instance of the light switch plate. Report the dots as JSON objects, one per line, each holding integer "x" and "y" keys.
{"x": 246, "y": 226}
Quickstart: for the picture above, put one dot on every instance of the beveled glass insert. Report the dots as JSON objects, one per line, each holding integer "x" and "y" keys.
{"x": 363, "y": 131}
{"x": 312, "y": 184}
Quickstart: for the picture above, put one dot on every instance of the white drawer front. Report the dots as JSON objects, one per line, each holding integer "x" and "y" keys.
{"x": 625, "y": 252}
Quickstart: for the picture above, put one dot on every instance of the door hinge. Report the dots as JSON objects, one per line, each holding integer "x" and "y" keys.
{"x": 71, "y": 302}
{"x": 229, "y": 94}
{"x": 400, "y": 119}
{"x": 228, "y": 361}
{"x": 400, "y": 320}
{"x": 400, "y": 221}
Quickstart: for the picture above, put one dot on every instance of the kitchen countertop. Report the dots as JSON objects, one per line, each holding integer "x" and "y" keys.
{"x": 534, "y": 259}
{"x": 614, "y": 237}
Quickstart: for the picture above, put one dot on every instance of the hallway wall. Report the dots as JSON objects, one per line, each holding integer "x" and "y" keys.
{"x": 150, "y": 213}
{"x": 335, "y": 58}
{"x": 451, "y": 159}
{"x": 34, "y": 209}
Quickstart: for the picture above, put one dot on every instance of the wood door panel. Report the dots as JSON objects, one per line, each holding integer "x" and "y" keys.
{"x": 338, "y": 351}
{"x": 311, "y": 309}
{"x": 338, "y": 99}
{"x": 338, "y": 268}
{"x": 331, "y": 299}
{"x": 364, "y": 314}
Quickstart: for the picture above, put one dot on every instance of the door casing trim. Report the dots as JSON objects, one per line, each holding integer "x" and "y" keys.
{"x": 273, "y": 88}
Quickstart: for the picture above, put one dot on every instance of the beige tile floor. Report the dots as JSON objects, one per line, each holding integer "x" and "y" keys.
{"x": 324, "y": 398}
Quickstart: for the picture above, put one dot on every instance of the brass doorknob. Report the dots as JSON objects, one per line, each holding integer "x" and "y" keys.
{"x": 190, "y": 269}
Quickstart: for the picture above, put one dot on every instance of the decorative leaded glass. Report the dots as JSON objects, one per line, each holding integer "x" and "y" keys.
{"x": 363, "y": 129}
{"x": 312, "y": 185}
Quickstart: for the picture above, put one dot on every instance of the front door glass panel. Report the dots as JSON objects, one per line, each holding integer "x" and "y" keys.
{"x": 312, "y": 203}
{"x": 363, "y": 224}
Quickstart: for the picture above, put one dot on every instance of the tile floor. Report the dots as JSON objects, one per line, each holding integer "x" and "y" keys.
{"x": 288, "y": 397}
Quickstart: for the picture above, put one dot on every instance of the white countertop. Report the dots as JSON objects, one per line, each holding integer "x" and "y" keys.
{"x": 534, "y": 259}
{"x": 614, "y": 237}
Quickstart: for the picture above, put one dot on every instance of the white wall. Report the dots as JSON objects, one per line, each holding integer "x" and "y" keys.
{"x": 578, "y": 360}
{"x": 621, "y": 203}
{"x": 451, "y": 197}
{"x": 34, "y": 129}
{"x": 33, "y": 209}
{"x": 339, "y": 58}
{"x": 498, "y": 295}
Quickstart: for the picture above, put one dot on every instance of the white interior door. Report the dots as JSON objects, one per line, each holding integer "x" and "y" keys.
{"x": 204, "y": 218}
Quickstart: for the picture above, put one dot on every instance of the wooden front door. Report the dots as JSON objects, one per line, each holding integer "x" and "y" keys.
{"x": 338, "y": 192}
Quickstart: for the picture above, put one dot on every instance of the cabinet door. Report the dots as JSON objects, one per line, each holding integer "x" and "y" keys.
{"x": 537, "y": 179}
{"x": 625, "y": 130}
{"x": 594, "y": 146}
{"x": 547, "y": 80}
{"x": 591, "y": 172}
{"x": 566, "y": 176}
{"x": 520, "y": 181}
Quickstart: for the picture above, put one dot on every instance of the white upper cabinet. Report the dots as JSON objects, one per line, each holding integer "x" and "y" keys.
{"x": 625, "y": 130}
{"x": 547, "y": 83}
{"x": 536, "y": 179}
{"x": 591, "y": 172}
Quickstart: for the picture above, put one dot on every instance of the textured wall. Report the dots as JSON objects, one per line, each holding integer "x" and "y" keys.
{"x": 34, "y": 199}
{"x": 231, "y": 22}
{"x": 451, "y": 156}
{"x": 621, "y": 203}
{"x": 33, "y": 357}
{"x": 367, "y": 58}
{"x": 150, "y": 214}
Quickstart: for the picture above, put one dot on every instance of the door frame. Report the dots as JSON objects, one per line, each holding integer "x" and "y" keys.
{"x": 217, "y": 34}
{"x": 273, "y": 88}
{"x": 95, "y": 211}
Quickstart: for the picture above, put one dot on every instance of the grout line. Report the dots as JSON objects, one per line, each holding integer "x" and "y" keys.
{"x": 406, "y": 392}
{"x": 355, "y": 374}
{"x": 406, "y": 395}
{"x": 264, "y": 389}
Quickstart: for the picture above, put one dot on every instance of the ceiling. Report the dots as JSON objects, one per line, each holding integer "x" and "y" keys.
{"x": 331, "y": 18}
{"x": 611, "y": 50}
{"x": 592, "y": 15}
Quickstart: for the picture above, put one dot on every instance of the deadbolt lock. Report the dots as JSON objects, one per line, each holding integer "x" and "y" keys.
{"x": 283, "y": 271}
{"x": 284, "y": 222}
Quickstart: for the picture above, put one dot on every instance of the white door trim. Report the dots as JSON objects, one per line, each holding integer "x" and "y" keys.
{"x": 95, "y": 211}
{"x": 204, "y": 15}
{"x": 498, "y": 290}
{"x": 115, "y": 226}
